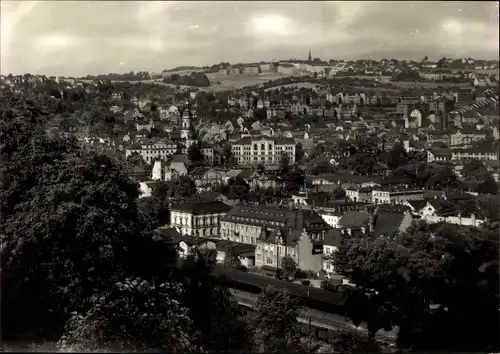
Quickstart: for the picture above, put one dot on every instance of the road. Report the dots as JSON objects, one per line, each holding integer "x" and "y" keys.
{"x": 319, "y": 318}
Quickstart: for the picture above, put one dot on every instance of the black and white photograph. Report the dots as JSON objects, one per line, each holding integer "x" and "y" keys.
{"x": 249, "y": 176}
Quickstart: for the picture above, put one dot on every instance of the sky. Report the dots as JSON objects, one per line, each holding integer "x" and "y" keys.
{"x": 74, "y": 38}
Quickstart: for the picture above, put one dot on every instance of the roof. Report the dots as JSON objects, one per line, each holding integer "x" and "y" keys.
{"x": 354, "y": 219}
{"x": 418, "y": 204}
{"x": 202, "y": 208}
{"x": 387, "y": 222}
{"x": 247, "y": 140}
{"x": 180, "y": 158}
{"x": 277, "y": 222}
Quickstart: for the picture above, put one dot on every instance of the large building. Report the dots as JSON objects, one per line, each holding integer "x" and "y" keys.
{"x": 278, "y": 232}
{"x": 198, "y": 219}
{"x": 263, "y": 150}
{"x": 178, "y": 144}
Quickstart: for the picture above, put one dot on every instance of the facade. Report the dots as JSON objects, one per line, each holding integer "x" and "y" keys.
{"x": 252, "y": 69}
{"x": 198, "y": 219}
{"x": 287, "y": 69}
{"x": 263, "y": 150}
{"x": 150, "y": 150}
{"x": 360, "y": 194}
{"x": 277, "y": 232}
{"x": 479, "y": 153}
{"x": 466, "y": 137}
{"x": 438, "y": 136}
{"x": 396, "y": 197}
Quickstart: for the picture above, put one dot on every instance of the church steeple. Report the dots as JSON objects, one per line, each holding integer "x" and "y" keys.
{"x": 309, "y": 58}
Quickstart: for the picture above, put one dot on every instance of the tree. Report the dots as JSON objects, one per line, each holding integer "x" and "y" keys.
{"x": 299, "y": 153}
{"x": 438, "y": 284}
{"x": 179, "y": 190}
{"x": 261, "y": 169}
{"x": 195, "y": 154}
{"x": 397, "y": 156}
{"x": 135, "y": 159}
{"x": 275, "y": 322}
{"x": 69, "y": 223}
{"x": 238, "y": 188}
{"x": 288, "y": 267}
{"x": 284, "y": 164}
{"x": 488, "y": 185}
{"x": 294, "y": 180}
{"x": 349, "y": 341}
{"x": 211, "y": 307}
{"x": 474, "y": 170}
{"x": 228, "y": 157}
{"x": 231, "y": 260}
{"x": 339, "y": 193}
{"x": 134, "y": 315}
{"x": 441, "y": 177}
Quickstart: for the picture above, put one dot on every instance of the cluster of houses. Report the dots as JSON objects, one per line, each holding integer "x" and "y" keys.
{"x": 308, "y": 227}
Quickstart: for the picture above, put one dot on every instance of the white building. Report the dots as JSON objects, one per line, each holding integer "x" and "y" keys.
{"x": 263, "y": 150}
{"x": 198, "y": 219}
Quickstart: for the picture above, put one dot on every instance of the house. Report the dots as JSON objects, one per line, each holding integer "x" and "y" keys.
{"x": 266, "y": 67}
{"x": 287, "y": 69}
{"x": 387, "y": 222}
{"x": 357, "y": 194}
{"x": 277, "y": 232}
{"x": 334, "y": 239}
{"x": 396, "y": 196}
{"x": 175, "y": 170}
{"x": 464, "y": 136}
{"x": 354, "y": 220}
{"x": 251, "y": 69}
{"x": 439, "y": 154}
{"x": 263, "y": 150}
{"x": 198, "y": 219}
{"x": 331, "y": 217}
{"x": 207, "y": 178}
{"x": 438, "y": 136}
{"x": 149, "y": 150}
{"x": 140, "y": 173}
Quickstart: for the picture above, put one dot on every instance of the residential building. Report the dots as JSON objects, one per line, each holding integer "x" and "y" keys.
{"x": 356, "y": 194}
{"x": 438, "y": 136}
{"x": 438, "y": 154}
{"x": 278, "y": 232}
{"x": 382, "y": 222}
{"x": 287, "y": 69}
{"x": 477, "y": 153}
{"x": 149, "y": 150}
{"x": 464, "y": 136}
{"x": 198, "y": 219}
{"x": 263, "y": 150}
{"x": 396, "y": 197}
{"x": 251, "y": 69}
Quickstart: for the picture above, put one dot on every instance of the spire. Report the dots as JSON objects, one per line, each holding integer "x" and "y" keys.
{"x": 309, "y": 58}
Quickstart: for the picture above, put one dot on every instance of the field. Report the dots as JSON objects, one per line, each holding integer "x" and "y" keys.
{"x": 229, "y": 82}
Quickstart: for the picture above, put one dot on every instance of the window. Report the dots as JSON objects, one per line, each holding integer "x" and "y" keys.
{"x": 262, "y": 147}
{"x": 255, "y": 146}
{"x": 270, "y": 147}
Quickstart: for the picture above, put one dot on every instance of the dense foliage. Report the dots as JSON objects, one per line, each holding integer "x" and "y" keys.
{"x": 197, "y": 79}
{"x": 439, "y": 286}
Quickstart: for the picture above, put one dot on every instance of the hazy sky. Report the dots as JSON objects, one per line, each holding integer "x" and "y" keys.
{"x": 79, "y": 37}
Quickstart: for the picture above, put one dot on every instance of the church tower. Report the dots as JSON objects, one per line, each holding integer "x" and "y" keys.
{"x": 309, "y": 58}
{"x": 187, "y": 131}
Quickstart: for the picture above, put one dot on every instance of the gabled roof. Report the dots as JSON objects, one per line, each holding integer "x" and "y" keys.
{"x": 354, "y": 219}
{"x": 418, "y": 204}
{"x": 202, "y": 208}
{"x": 387, "y": 222}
